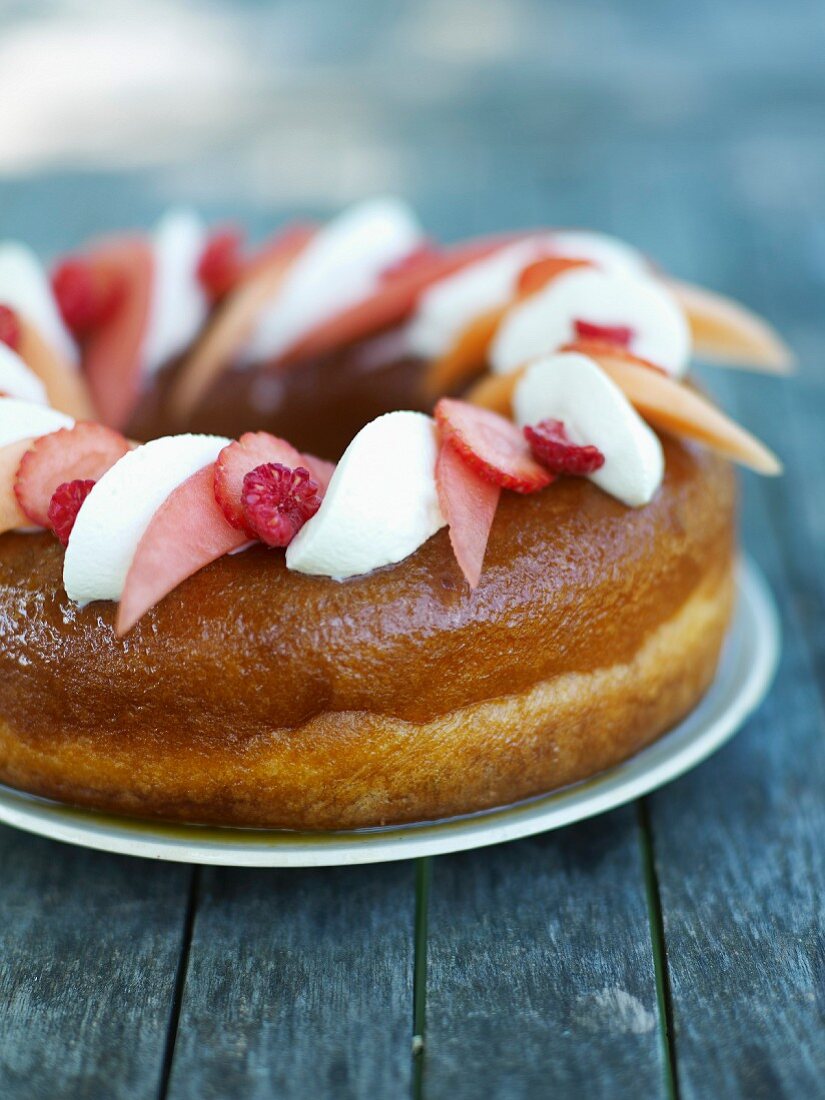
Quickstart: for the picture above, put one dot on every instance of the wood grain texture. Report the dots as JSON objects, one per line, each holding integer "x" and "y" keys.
{"x": 89, "y": 945}
{"x": 299, "y": 985}
{"x": 540, "y": 970}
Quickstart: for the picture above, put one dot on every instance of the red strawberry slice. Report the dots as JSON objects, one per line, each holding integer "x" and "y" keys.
{"x": 81, "y": 453}
{"x": 468, "y": 503}
{"x": 11, "y": 514}
{"x": 112, "y": 351}
{"x": 187, "y": 532}
{"x": 491, "y": 445}
{"x": 393, "y": 301}
{"x": 255, "y": 449}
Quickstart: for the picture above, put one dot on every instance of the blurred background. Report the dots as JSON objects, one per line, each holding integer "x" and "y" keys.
{"x": 694, "y": 130}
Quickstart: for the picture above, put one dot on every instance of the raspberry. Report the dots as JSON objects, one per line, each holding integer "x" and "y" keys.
{"x": 620, "y": 335}
{"x": 221, "y": 264}
{"x": 9, "y": 328}
{"x": 86, "y": 298}
{"x": 65, "y": 504}
{"x": 491, "y": 445}
{"x": 554, "y": 449}
{"x": 277, "y": 501}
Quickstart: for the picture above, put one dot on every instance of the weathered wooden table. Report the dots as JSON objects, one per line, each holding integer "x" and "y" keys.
{"x": 674, "y": 947}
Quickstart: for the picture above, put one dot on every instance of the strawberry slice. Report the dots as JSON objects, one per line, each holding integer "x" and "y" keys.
{"x": 393, "y": 301}
{"x": 468, "y": 503}
{"x": 11, "y": 514}
{"x": 235, "y": 319}
{"x": 221, "y": 265}
{"x": 112, "y": 350}
{"x": 65, "y": 386}
{"x": 491, "y": 445}
{"x": 84, "y": 452}
{"x": 9, "y": 328}
{"x": 187, "y": 532}
{"x": 253, "y": 449}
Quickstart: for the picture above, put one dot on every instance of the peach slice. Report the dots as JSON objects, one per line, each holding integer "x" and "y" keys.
{"x": 662, "y": 401}
{"x": 234, "y": 321}
{"x": 468, "y": 503}
{"x": 65, "y": 386}
{"x": 725, "y": 331}
{"x": 187, "y": 532}
{"x": 676, "y": 408}
{"x": 112, "y": 352}
{"x": 467, "y": 357}
{"x": 11, "y": 514}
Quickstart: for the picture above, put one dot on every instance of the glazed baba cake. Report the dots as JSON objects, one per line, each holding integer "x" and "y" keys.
{"x": 354, "y": 528}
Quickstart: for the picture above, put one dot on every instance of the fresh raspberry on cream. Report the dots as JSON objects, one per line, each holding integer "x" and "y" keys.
{"x": 571, "y": 388}
{"x": 551, "y": 318}
{"x": 17, "y": 379}
{"x": 118, "y": 510}
{"x": 25, "y": 287}
{"x": 381, "y": 503}
{"x": 340, "y": 266}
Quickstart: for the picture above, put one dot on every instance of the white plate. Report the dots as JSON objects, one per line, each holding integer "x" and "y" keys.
{"x": 745, "y": 672}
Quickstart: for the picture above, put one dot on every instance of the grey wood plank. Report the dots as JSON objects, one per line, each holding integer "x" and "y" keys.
{"x": 540, "y": 971}
{"x": 738, "y": 852}
{"x": 299, "y": 985}
{"x": 89, "y": 947}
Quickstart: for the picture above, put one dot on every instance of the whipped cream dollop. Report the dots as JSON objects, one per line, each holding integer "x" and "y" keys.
{"x": 381, "y": 504}
{"x": 447, "y": 307}
{"x": 118, "y": 510}
{"x": 574, "y": 389}
{"x": 20, "y": 419}
{"x": 17, "y": 379}
{"x": 546, "y": 320}
{"x": 340, "y": 266}
{"x": 24, "y": 286}
{"x": 178, "y": 305}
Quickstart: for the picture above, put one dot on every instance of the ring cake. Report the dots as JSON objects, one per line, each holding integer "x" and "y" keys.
{"x": 353, "y": 528}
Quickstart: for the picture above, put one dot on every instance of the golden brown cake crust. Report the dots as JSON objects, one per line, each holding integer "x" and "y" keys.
{"x": 255, "y": 696}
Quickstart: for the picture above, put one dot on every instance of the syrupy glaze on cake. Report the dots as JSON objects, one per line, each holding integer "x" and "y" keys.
{"x": 573, "y": 581}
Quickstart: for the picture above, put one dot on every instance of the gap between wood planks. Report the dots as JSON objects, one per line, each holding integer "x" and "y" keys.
{"x": 180, "y": 981}
{"x": 658, "y": 947}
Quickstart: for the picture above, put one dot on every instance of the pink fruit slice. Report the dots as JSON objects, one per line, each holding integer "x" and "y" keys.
{"x": 491, "y": 445}
{"x": 84, "y": 452}
{"x": 11, "y": 514}
{"x": 234, "y": 320}
{"x": 393, "y": 301}
{"x": 187, "y": 532}
{"x": 727, "y": 332}
{"x": 65, "y": 386}
{"x": 112, "y": 352}
{"x": 468, "y": 503}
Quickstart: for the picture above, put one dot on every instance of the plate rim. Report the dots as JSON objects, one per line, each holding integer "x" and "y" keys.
{"x": 754, "y": 647}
